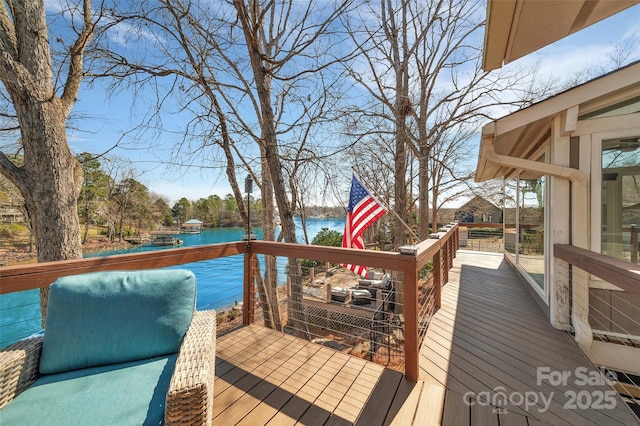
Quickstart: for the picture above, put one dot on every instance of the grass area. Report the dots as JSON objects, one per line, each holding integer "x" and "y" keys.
{"x": 12, "y": 235}
{"x": 15, "y": 244}
{"x": 15, "y": 247}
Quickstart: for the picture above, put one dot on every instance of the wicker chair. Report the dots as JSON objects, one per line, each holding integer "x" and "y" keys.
{"x": 189, "y": 398}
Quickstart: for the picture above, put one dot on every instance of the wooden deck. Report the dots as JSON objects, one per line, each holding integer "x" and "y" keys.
{"x": 489, "y": 336}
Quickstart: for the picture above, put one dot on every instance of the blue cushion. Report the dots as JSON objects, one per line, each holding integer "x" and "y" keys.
{"x": 122, "y": 394}
{"x": 113, "y": 317}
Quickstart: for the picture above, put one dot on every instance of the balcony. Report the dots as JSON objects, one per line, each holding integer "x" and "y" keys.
{"x": 474, "y": 349}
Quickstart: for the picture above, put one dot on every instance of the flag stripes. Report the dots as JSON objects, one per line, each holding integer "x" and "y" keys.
{"x": 363, "y": 211}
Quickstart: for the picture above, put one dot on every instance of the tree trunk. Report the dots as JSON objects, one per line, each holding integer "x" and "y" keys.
{"x": 400, "y": 186}
{"x": 121, "y": 226}
{"x": 272, "y": 159}
{"x": 267, "y": 283}
{"x": 250, "y": 26}
{"x": 269, "y": 295}
{"x": 423, "y": 193}
{"x": 86, "y": 231}
{"x": 434, "y": 215}
{"x": 52, "y": 178}
{"x": 401, "y": 109}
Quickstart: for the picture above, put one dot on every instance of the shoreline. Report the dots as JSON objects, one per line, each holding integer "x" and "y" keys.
{"x": 21, "y": 255}
{"x": 15, "y": 248}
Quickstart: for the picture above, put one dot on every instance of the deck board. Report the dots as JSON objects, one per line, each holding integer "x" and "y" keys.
{"x": 491, "y": 335}
{"x": 488, "y": 334}
{"x": 455, "y": 412}
{"x": 404, "y": 406}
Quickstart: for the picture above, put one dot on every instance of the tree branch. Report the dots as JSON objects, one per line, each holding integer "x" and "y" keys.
{"x": 74, "y": 76}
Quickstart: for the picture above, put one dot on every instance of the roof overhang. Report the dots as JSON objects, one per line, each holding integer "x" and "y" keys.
{"x": 524, "y": 132}
{"x": 516, "y": 28}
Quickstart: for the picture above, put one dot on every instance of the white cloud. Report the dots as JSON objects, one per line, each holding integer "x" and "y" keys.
{"x": 124, "y": 32}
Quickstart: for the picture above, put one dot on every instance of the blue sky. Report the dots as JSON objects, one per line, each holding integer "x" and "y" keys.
{"x": 592, "y": 45}
{"x": 104, "y": 120}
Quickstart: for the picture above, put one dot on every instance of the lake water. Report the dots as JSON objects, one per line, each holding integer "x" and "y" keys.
{"x": 219, "y": 280}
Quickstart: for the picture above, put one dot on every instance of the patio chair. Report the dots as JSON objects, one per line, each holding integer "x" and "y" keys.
{"x": 120, "y": 347}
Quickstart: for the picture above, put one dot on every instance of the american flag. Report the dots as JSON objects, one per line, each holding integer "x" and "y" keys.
{"x": 363, "y": 211}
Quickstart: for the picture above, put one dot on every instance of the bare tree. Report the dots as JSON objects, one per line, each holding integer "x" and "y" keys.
{"x": 423, "y": 68}
{"x": 384, "y": 51}
{"x": 51, "y": 177}
{"x": 252, "y": 76}
{"x": 449, "y": 169}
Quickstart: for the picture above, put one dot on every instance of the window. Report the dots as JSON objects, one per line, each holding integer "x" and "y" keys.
{"x": 531, "y": 227}
{"x": 524, "y": 215}
{"x": 510, "y": 215}
{"x": 621, "y": 197}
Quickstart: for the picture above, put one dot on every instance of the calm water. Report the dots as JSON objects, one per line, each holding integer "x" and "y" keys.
{"x": 219, "y": 280}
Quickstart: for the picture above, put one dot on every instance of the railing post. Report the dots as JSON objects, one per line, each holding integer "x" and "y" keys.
{"x": 327, "y": 311}
{"x": 457, "y": 246}
{"x": 446, "y": 252}
{"x": 456, "y": 240}
{"x": 248, "y": 292}
{"x": 437, "y": 279}
{"x": 454, "y": 247}
{"x": 411, "y": 340}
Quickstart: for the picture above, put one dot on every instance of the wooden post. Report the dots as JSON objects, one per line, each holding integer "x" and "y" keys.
{"x": 411, "y": 340}
{"x": 456, "y": 240}
{"x": 452, "y": 249}
{"x": 452, "y": 246}
{"x": 327, "y": 309}
{"x": 312, "y": 275}
{"x": 248, "y": 292}
{"x": 445, "y": 263}
{"x": 437, "y": 279}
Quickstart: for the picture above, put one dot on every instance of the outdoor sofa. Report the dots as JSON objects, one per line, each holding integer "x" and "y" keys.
{"x": 120, "y": 347}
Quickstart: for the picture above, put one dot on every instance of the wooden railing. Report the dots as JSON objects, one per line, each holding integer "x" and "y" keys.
{"x": 441, "y": 250}
{"x": 622, "y": 274}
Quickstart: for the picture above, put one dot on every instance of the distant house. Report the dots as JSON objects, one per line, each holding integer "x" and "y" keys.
{"x": 10, "y": 214}
{"x": 527, "y": 216}
{"x": 446, "y": 215}
{"x": 478, "y": 210}
{"x": 192, "y": 226}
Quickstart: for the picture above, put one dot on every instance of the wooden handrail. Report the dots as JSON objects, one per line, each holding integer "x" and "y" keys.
{"x": 379, "y": 259}
{"x": 481, "y": 225}
{"x": 625, "y": 275}
{"x": 494, "y": 225}
{"x": 27, "y": 277}
{"x": 442, "y": 251}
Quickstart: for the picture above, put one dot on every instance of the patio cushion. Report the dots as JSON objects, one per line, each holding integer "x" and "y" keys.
{"x": 113, "y": 317}
{"x": 121, "y": 394}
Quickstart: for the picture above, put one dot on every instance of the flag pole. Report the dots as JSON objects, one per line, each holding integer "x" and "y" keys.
{"x": 389, "y": 209}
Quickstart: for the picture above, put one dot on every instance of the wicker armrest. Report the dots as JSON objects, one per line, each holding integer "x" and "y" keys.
{"x": 19, "y": 367}
{"x": 190, "y": 395}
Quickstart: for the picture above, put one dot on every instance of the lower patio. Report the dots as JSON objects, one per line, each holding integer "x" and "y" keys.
{"x": 489, "y": 357}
